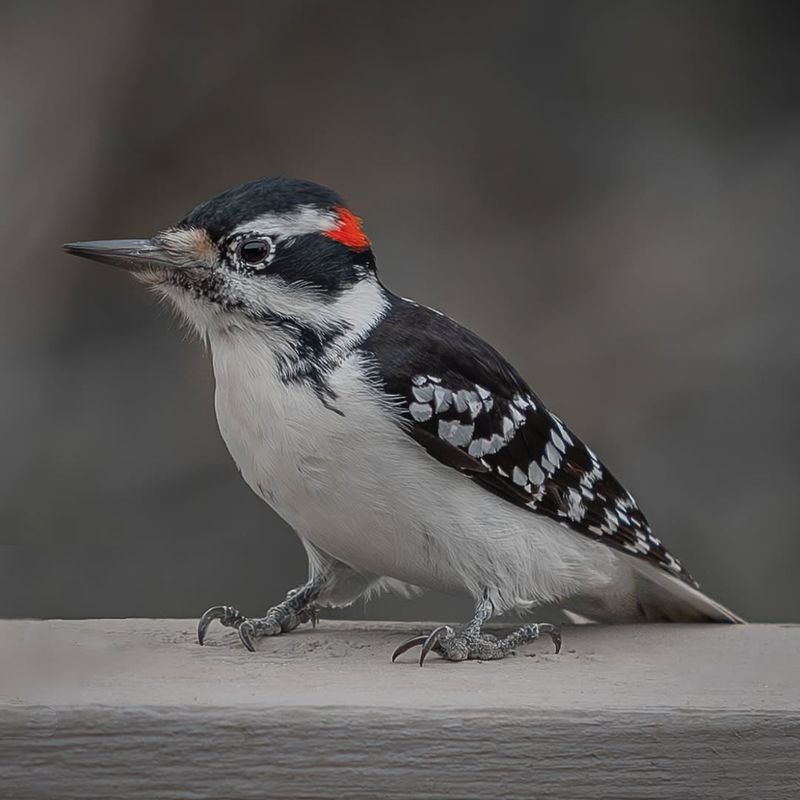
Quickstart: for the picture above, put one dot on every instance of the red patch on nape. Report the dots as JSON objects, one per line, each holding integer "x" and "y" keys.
{"x": 348, "y": 231}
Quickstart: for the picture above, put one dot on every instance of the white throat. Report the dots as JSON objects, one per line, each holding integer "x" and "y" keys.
{"x": 279, "y": 314}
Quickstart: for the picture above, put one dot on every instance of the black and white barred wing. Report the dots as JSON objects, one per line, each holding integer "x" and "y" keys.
{"x": 470, "y": 409}
{"x": 512, "y": 445}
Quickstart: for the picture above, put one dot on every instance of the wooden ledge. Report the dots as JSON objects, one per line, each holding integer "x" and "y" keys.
{"x": 136, "y": 709}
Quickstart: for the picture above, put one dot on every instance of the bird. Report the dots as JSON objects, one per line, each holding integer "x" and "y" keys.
{"x": 404, "y": 451}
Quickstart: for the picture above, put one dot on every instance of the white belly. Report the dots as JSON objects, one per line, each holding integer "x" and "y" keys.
{"x": 363, "y": 491}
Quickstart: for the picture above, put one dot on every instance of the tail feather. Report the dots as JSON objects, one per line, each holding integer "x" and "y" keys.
{"x": 647, "y": 593}
{"x": 665, "y": 598}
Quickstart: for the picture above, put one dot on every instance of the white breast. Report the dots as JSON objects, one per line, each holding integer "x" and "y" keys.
{"x": 363, "y": 491}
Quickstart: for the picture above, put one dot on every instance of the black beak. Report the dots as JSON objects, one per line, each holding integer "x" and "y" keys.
{"x": 130, "y": 254}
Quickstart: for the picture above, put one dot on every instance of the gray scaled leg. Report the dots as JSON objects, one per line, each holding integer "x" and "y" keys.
{"x": 467, "y": 642}
{"x": 298, "y": 607}
{"x": 331, "y": 583}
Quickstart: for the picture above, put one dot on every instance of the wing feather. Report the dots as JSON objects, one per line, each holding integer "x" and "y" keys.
{"x": 468, "y": 407}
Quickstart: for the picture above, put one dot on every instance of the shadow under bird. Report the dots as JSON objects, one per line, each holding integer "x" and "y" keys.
{"x": 404, "y": 450}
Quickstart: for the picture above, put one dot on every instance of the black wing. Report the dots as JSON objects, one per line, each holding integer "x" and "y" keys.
{"x": 470, "y": 409}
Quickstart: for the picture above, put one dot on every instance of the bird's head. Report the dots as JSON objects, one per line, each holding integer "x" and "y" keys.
{"x": 276, "y": 254}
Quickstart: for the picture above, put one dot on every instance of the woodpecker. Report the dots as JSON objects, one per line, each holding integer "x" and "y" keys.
{"x": 404, "y": 451}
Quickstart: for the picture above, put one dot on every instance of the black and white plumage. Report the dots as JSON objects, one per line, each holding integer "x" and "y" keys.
{"x": 405, "y": 451}
{"x": 470, "y": 409}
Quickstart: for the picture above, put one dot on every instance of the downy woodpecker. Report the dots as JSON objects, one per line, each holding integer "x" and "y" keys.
{"x": 404, "y": 450}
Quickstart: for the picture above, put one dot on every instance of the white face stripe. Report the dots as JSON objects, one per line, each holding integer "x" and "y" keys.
{"x": 299, "y": 221}
{"x": 358, "y": 306}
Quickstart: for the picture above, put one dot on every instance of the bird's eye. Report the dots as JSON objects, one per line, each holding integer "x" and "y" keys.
{"x": 256, "y": 252}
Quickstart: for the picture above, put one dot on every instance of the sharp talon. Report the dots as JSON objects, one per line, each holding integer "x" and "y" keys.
{"x": 469, "y": 642}
{"x": 282, "y": 618}
{"x": 215, "y": 612}
{"x": 554, "y": 631}
{"x": 246, "y": 635}
{"x": 434, "y": 637}
{"x": 408, "y": 645}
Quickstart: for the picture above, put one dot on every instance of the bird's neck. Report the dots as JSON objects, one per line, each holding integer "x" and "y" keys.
{"x": 305, "y": 345}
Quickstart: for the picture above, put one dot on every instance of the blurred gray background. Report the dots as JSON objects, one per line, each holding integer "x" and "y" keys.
{"x": 607, "y": 192}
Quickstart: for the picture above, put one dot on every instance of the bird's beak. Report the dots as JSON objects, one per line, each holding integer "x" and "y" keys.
{"x": 130, "y": 254}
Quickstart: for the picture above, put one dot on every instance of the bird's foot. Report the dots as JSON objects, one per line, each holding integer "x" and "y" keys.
{"x": 286, "y": 616}
{"x": 468, "y": 642}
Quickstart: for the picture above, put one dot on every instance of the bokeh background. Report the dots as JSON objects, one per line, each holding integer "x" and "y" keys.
{"x": 607, "y": 192}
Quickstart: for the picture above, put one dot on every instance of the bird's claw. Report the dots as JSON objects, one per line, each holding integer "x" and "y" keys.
{"x": 428, "y": 643}
{"x": 246, "y": 631}
{"x": 469, "y": 643}
{"x": 229, "y": 616}
{"x": 282, "y": 618}
{"x": 400, "y": 649}
{"x": 433, "y": 639}
{"x": 554, "y": 632}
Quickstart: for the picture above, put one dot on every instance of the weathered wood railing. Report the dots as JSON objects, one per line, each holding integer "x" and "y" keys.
{"x": 135, "y": 709}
